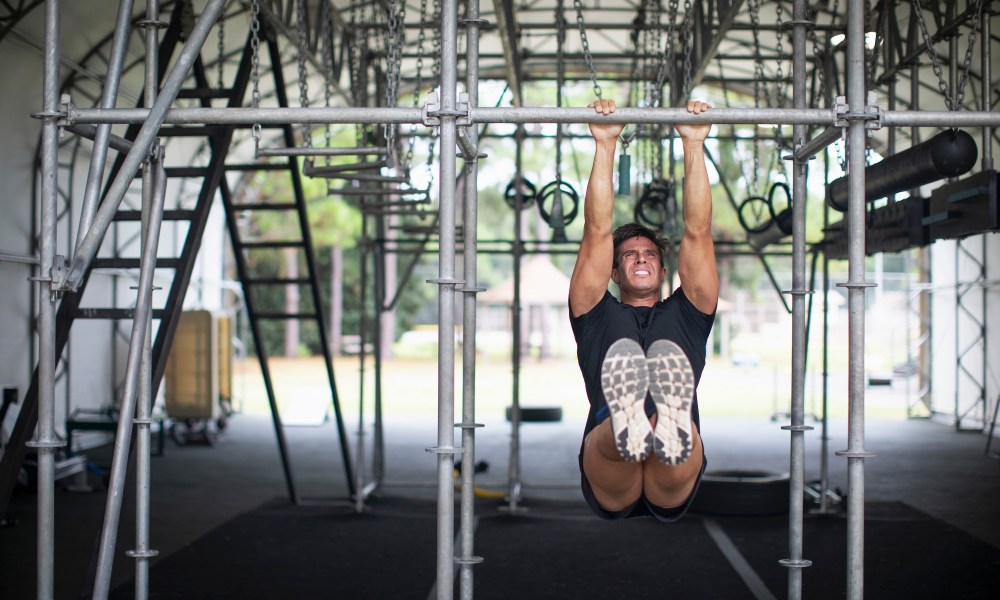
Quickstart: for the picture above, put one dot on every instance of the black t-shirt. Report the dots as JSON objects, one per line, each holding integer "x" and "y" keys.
{"x": 674, "y": 318}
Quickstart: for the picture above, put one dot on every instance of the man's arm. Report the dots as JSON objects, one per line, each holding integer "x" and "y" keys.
{"x": 696, "y": 261}
{"x": 593, "y": 261}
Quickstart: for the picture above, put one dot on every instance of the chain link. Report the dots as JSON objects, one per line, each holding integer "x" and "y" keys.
{"x": 219, "y": 73}
{"x": 303, "y": 44}
{"x": 688, "y": 47}
{"x": 960, "y": 96}
{"x": 587, "y": 56}
{"x": 396, "y": 39}
{"x": 753, "y": 6}
{"x": 956, "y": 102}
{"x": 255, "y": 131}
{"x": 327, "y": 70}
{"x": 667, "y": 58}
{"x": 417, "y": 87}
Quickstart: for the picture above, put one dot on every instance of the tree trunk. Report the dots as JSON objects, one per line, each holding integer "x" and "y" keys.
{"x": 336, "y": 300}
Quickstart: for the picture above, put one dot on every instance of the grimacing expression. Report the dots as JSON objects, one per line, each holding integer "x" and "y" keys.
{"x": 639, "y": 265}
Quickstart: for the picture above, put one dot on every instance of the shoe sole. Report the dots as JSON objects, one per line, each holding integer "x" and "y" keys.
{"x": 671, "y": 384}
{"x": 625, "y": 381}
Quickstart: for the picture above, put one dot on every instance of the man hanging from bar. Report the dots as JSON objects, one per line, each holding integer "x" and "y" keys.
{"x": 641, "y": 356}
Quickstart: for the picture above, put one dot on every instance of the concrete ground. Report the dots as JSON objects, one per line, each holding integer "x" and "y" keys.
{"x": 196, "y": 488}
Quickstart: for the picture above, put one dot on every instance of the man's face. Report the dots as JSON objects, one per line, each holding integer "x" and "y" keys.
{"x": 639, "y": 267}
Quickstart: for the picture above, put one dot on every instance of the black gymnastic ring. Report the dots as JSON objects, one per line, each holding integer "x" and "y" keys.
{"x": 656, "y": 195}
{"x": 548, "y": 191}
{"x": 525, "y": 187}
{"x": 761, "y": 227}
{"x": 770, "y": 197}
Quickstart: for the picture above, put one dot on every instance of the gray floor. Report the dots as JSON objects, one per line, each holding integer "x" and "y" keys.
{"x": 924, "y": 464}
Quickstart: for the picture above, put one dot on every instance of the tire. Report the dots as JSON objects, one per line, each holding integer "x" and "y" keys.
{"x": 742, "y": 493}
{"x": 539, "y": 414}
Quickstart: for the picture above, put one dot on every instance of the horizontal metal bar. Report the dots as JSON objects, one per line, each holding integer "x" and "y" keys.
{"x": 90, "y": 131}
{"x": 272, "y": 244}
{"x": 374, "y": 192}
{"x": 250, "y": 116}
{"x": 18, "y": 258}
{"x": 390, "y": 115}
{"x": 818, "y": 143}
{"x": 367, "y": 177}
{"x": 285, "y": 315}
{"x": 940, "y": 118}
{"x": 360, "y": 151}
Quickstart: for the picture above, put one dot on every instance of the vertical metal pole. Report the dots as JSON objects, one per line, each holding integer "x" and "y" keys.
{"x": 359, "y": 453}
{"x": 123, "y": 438}
{"x": 446, "y": 281}
{"x": 514, "y": 462}
{"x": 824, "y": 459}
{"x": 987, "y": 75}
{"x": 856, "y": 285}
{"x": 466, "y": 559}
{"x": 154, "y": 196}
{"x": 154, "y": 181}
{"x": 98, "y": 158}
{"x": 46, "y": 442}
{"x": 795, "y": 562}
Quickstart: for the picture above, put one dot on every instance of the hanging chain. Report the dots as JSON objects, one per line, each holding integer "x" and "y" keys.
{"x": 417, "y": 86}
{"x": 960, "y": 96}
{"x": 587, "y": 56}
{"x": 397, "y": 38}
{"x": 327, "y": 69}
{"x": 779, "y": 75}
{"x": 667, "y": 59}
{"x": 758, "y": 78}
{"x": 255, "y": 131}
{"x": 956, "y": 103}
{"x": 688, "y": 47}
{"x": 300, "y": 33}
{"x": 222, "y": 51}
{"x": 819, "y": 54}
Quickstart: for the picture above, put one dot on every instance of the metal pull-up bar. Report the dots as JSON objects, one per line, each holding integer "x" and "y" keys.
{"x": 637, "y": 116}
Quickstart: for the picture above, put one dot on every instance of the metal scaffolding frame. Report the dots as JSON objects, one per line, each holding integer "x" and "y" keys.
{"x": 454, "y": 117}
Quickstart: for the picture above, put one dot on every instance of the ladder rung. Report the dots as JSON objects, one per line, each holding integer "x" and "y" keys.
{"x": 258, "y": 167}
{"x": 112, "y": 313}
{"x": 133, "y": 263}
{"x": 273, "y": 244}
{"x": 265, "y": 206}
{"x": 168, "y": 215}
{"x": 188, "y": 130}
{"x": 186, "y": 171}
{"x": 204, "y": 93}
{"x": 279, "y": 281}
{"x": 286, "y": 316}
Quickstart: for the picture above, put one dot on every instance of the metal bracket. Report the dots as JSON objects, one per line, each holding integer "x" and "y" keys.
{"x": 430, "y": 110}
{"x": 872, "y": 114}
{"x": 58, "y": 274}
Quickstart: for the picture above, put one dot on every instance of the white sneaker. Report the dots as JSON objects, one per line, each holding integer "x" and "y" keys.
{"x": 671, "y": 384}
{"x": 625, "y": 381}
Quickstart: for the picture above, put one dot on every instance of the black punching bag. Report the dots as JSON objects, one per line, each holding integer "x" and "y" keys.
{"x": 948, "y": 154}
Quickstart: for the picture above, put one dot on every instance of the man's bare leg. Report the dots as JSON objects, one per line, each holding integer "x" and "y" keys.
{"x": 616, "y": 483}
{"x": 668, "y": 486}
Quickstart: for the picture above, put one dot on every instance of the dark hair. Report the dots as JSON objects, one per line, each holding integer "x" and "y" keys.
{"x": 631, "y": 230}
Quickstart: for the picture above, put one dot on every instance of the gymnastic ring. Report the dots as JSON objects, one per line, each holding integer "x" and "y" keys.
{"x": 520, "y": 185}
{"x": 764, "y": 224}
{"x": 656, "y": 195}
{"x": 770, "y": 198}
{"x": 548, "y": 191}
